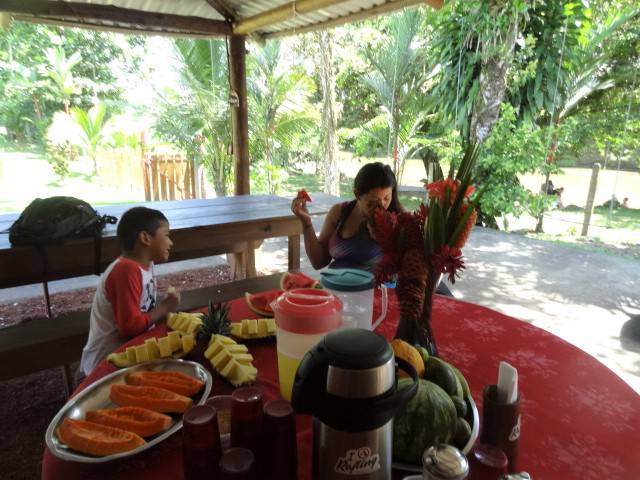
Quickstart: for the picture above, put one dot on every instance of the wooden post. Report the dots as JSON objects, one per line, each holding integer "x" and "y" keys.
{"x": 588, "y": 209}
{"x": 154, "y": 177}
{"x": 240, "y": 122}
{"x": 239, "y": 113}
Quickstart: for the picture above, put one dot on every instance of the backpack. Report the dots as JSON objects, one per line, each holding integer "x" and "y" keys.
{"x": 53, "y": 220}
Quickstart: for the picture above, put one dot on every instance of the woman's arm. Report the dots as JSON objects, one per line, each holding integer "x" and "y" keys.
{"x": 317, "y": 247}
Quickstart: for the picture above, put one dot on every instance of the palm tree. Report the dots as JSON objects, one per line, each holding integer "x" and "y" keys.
{"x": 279, "y": 109}
{"x": 60, "y": 71}
{"x": 92, "y": 125}
{"x": 397, "y": 78}
{"x": 201, "y": 112}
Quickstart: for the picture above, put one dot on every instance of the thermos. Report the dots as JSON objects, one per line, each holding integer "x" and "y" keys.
{"x": 348, "y": 383}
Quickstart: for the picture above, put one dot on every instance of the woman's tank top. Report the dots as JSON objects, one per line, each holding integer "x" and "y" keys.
{"x": 358, "y": 251}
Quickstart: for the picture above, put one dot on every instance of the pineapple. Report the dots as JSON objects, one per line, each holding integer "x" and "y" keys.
{"x": 216, "y": 322}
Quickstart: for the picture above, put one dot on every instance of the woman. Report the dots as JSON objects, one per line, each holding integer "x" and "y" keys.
{"x": 346, "y": 239}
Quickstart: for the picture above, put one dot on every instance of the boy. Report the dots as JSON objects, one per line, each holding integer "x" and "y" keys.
{"x": 124, "y": 304}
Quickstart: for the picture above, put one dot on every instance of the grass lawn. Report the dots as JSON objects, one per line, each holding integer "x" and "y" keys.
{"x": 25, "y": 176}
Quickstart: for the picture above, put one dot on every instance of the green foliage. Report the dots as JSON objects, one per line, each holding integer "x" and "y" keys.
{"x": 513, "y": 149}
{"x": 279, "y": 110}
{"x": 28, "y": 94}
{"x": 92, "y": 125}
{"x": 196, "y": 118}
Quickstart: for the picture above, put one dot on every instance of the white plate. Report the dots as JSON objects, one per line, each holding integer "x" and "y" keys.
{"x": 475, "y": 428}
{"x": 96, "y": 396}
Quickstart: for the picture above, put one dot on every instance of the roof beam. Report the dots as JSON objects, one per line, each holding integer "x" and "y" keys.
{"x": 355, "y": 17}
{"x": 121, "y": 17}
{"x": 280, "y": 14}
{"x": 223, "y": 9}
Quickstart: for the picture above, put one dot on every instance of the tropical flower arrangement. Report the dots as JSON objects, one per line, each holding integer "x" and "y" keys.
{"x": 419, "y": 247}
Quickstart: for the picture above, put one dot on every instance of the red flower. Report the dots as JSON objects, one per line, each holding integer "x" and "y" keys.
{"x": 448, "y": 261}
{"x": 464, "y": 235}
{"x": 438, "y": 190}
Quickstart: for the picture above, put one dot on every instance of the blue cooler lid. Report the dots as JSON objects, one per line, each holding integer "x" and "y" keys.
{"x": 347, "y": 279}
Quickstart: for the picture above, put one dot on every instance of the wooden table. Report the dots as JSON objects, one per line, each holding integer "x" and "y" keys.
{"x": 199, "y": 228}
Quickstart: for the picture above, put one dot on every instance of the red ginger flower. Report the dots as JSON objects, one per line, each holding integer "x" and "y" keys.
{"x": 464, "y": 235}
{"x": 438, "y": 190}
{"x": 449, "y": 261}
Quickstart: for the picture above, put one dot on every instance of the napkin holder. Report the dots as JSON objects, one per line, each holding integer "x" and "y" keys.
{"x": 501, "y": 424}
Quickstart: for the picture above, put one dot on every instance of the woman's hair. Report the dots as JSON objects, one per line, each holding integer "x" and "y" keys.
{"x": 377, "y": 175}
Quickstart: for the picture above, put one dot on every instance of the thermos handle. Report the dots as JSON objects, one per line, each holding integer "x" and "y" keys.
{"x": 385, "y": 306}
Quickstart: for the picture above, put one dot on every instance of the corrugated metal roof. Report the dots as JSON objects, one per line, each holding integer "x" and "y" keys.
{"x": 200, "y": 16}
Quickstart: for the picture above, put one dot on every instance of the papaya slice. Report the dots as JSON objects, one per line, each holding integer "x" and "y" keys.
{"x": 95, "y": 439}
{"x": 174, "y": 381}
{"x": 141, "y": 421}
{"x": 153, "y": 398}
{"x": 260, "y": 303}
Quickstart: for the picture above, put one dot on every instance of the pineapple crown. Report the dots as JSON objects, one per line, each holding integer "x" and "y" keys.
{"x": 216, "y": 321}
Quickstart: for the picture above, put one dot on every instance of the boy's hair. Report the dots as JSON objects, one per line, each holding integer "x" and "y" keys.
{"x": 136, "y": 220}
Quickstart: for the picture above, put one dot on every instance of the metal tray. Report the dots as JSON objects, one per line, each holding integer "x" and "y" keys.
{"x": 475, "y": 429}
{"x": 96, "y": 396}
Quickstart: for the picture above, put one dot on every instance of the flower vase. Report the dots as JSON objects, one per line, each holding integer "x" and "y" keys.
{"x": 418, "y": 331}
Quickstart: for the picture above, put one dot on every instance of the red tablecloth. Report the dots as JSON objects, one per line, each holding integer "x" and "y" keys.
{"x": 579, "y": 420}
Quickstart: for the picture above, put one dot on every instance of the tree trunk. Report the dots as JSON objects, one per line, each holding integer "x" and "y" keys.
{"x": 493, "y": 75}
{"x": 329, "y": 114}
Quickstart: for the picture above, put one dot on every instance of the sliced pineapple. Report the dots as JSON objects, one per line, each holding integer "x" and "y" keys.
{"x": 184, "y": 322}
{"x": 173, "y": 345}
{"x": 251, "y": 328}
{"x": 231, "y": 360}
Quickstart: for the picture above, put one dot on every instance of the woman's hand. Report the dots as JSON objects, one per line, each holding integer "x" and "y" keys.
{"x": 299, "y": 209}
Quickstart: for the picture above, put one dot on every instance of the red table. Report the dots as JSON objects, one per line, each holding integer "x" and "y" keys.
{"x": 579, "y": 420}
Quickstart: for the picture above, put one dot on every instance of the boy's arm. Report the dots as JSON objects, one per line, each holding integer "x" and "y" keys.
{"x": 124, "y": 289}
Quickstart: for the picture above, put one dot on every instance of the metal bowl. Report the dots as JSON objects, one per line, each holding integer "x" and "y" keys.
{"x": 96, "y": 396}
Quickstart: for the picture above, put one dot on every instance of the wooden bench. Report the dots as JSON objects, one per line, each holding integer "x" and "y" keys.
{"x": 46, "y": 343}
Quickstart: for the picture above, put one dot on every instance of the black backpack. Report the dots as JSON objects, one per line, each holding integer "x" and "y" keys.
{"x": 53, "y": 220}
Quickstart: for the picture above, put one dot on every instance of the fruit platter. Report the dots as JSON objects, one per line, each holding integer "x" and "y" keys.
{"x": 132, "y": 409}
{"x": 441, "y": 411}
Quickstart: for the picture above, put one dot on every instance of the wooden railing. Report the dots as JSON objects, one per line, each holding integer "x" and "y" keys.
{"x": 170, "y": 177}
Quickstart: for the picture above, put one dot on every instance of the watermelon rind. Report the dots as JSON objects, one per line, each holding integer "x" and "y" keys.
{"x": 429, "y": 418}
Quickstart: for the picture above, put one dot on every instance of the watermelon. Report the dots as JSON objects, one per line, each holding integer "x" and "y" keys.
{"x": 303, "y": 195}
{"x": 429, "y": 418}
{"x": 291, "y": 280}
{"x": 260, "y": 303}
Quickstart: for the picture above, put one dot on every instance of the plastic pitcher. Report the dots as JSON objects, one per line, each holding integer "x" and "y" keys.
{"x": 303, "y": 316}
{"x": 355, "y": 288}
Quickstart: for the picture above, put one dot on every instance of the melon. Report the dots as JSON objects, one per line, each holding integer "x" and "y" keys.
{"x": 429, "y": 418}
{"x": 291, "y": 280}
{"x": 260, "y": 303}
